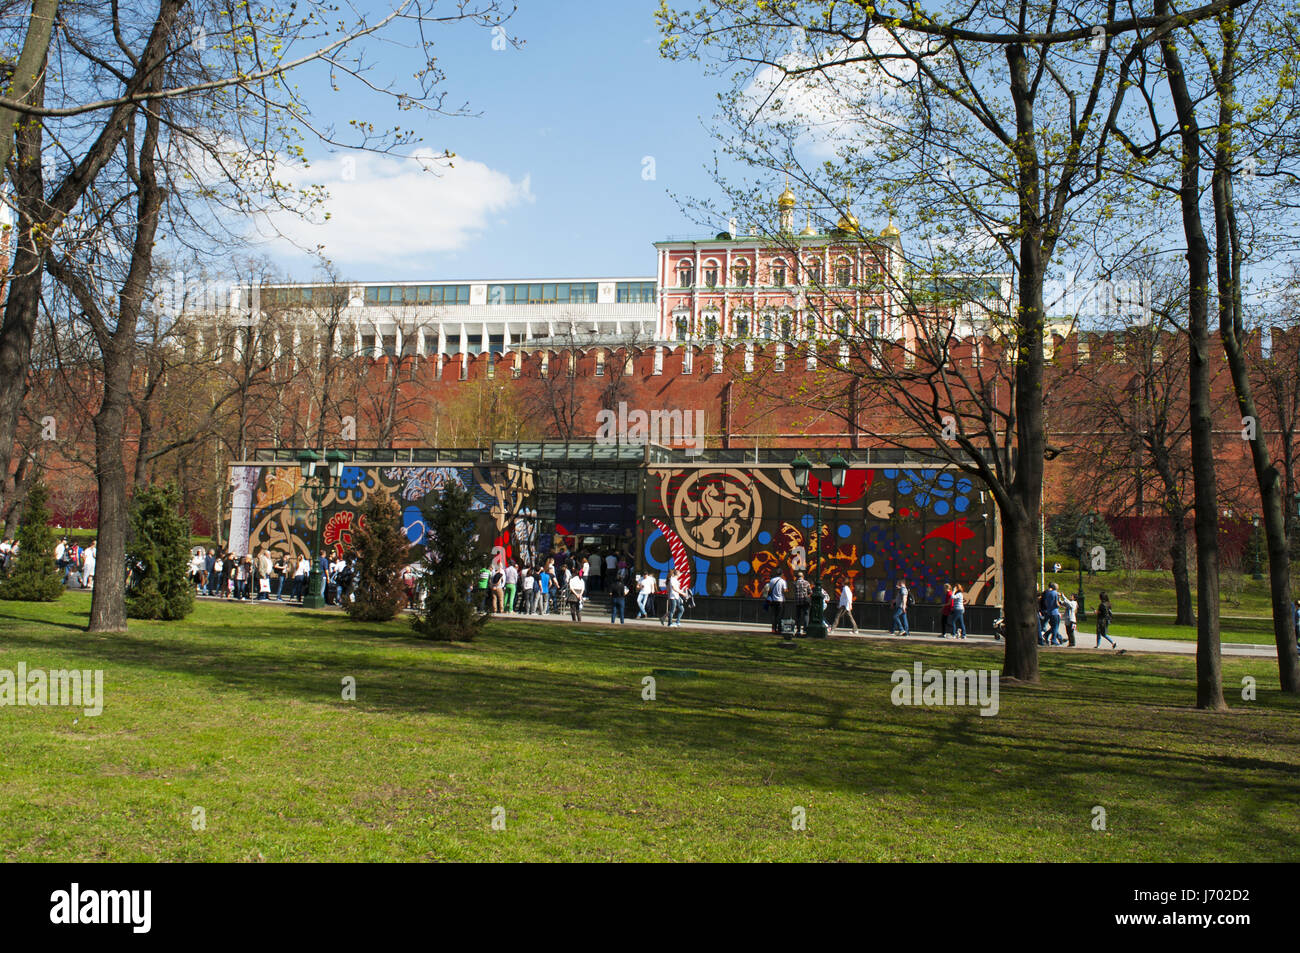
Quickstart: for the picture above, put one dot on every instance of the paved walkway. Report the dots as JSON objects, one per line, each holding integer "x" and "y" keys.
{"x": 597, "y": 614}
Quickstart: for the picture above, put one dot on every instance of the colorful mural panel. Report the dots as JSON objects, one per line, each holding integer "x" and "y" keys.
{"x": 272, "y": 510}
{"x": 729, "y": 528}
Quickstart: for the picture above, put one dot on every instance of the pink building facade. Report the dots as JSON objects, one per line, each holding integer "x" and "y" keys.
{"x": 788, "y": 287}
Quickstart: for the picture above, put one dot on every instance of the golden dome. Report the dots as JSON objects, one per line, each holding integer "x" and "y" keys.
{"x": 847, "y": 223}
{"x": 809, "y": 230}
{"x": 890, "y": 230}
{"x": 786, "y": 199}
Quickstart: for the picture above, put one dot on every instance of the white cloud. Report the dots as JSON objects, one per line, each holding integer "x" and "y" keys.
{"x": 839, "y": 103}
{"x": 394, "y": 211}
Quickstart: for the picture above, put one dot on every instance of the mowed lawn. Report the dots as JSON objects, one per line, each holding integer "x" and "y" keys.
{"x": 238, "y": 711}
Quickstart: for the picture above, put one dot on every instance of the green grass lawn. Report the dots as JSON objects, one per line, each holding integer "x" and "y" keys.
{"x": 238, "y": 710}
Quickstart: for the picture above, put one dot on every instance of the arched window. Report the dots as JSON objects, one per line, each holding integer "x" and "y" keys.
{"x": 778, "y": 274}
{"x": 711, "y": 273}
{"x": 682, "y": 325}
{"x": 711, "y": 325}
{"x": 742, "y": 324}
{"x": 787, "y": 326}
{"x": 813, "y": 269}
{"x": 843, "y": 272}
{"x": 769, "y": 325}
{"x": 740, "y": 272}
{"x": 685, "y": 275}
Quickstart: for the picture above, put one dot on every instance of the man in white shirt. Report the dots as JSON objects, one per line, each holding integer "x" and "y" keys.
{"x": 1069, "y": 613}
{"x": 846, "y": 607}
{"x": 776, "y": 601}
{"x": 88, "y": 566}
{"x": 645, "y": 593}
{"x": 676, "y": 600}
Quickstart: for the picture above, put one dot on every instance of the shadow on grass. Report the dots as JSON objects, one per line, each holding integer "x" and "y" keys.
{"x": 819, "y": 716}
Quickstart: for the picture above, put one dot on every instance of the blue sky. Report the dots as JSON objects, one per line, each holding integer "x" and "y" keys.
{"x": 548, "y": 180}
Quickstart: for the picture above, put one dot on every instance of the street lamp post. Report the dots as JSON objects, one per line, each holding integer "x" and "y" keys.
{"x": 802, "y": 468}
{"x": 318, "y": 480}
{"x": 1080, "y": 544}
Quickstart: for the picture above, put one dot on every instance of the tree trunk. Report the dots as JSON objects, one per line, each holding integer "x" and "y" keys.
{"x": 1184, "y": 613}
{"x": 1209, "y": 675}
{"x": 1021, "y": 520}
{"x": 1227, "y": 259}
{"x": 1020, "y": 596}
{"x": 108, "y": 601}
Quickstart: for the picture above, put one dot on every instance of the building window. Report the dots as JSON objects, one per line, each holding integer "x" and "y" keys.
{"x": 769, "y": 326}
{"x": 843, "y": 273}
{"x": 682, "y": 325}
{"x": 814, "y": 272}
{"x": 711, "y": 274}
{"x": 685, "y": 275}
{"x": 742, "y": 325}
{"x": 600, "y": 363}
{"x": 634, "y": 292}
{"x": 778, "y": 274}
{"x": 842, "y": 324}
{"x": 787, "y": 327}
{"x": 740, "y": 272}
{"x": 711, "y": 325}
{"x": 574, "y": 292}
{"x": 873, "y": 324}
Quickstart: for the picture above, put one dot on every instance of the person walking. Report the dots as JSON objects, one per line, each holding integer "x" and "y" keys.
{"x": 88, "y": 566}
{"x": 208, "y": 576}
{"x": 945, "y": 614}
{"x": 511, "y": 580}
{"x": 846, "y": 607}
{"x": 281, "y": 570}
{"x": 301, "y": 574}
{"x": 1104, "y": 616}
{"x": 1052, "y": 606}
{"x": 902, "y": 601}
{"x": 497, "y": 582}
{"x": 618, "y": 590}
{"x": 645, "y": 592}
{"x": 958, "y": 612}
{"x": 802, "y": 604}
{"x": 1069, "y": 610}
{"x": 264, "y": 567}
{"x": 776, "y": 589}
{"x": 575, "y": 592}
{"x": 544, "y": 583}
{"x": 676, "y": 599}
{"x": 527, "y": 583}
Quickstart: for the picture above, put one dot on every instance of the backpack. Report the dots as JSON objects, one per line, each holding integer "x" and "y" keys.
{"x": 496, "y": 579}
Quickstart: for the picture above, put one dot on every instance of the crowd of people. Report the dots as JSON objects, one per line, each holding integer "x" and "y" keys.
{"x": 75, "y": 562}
{"x": 554, "y": 583}
{"x": 271, "y": 576}
{"x": 565, "y": 582}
